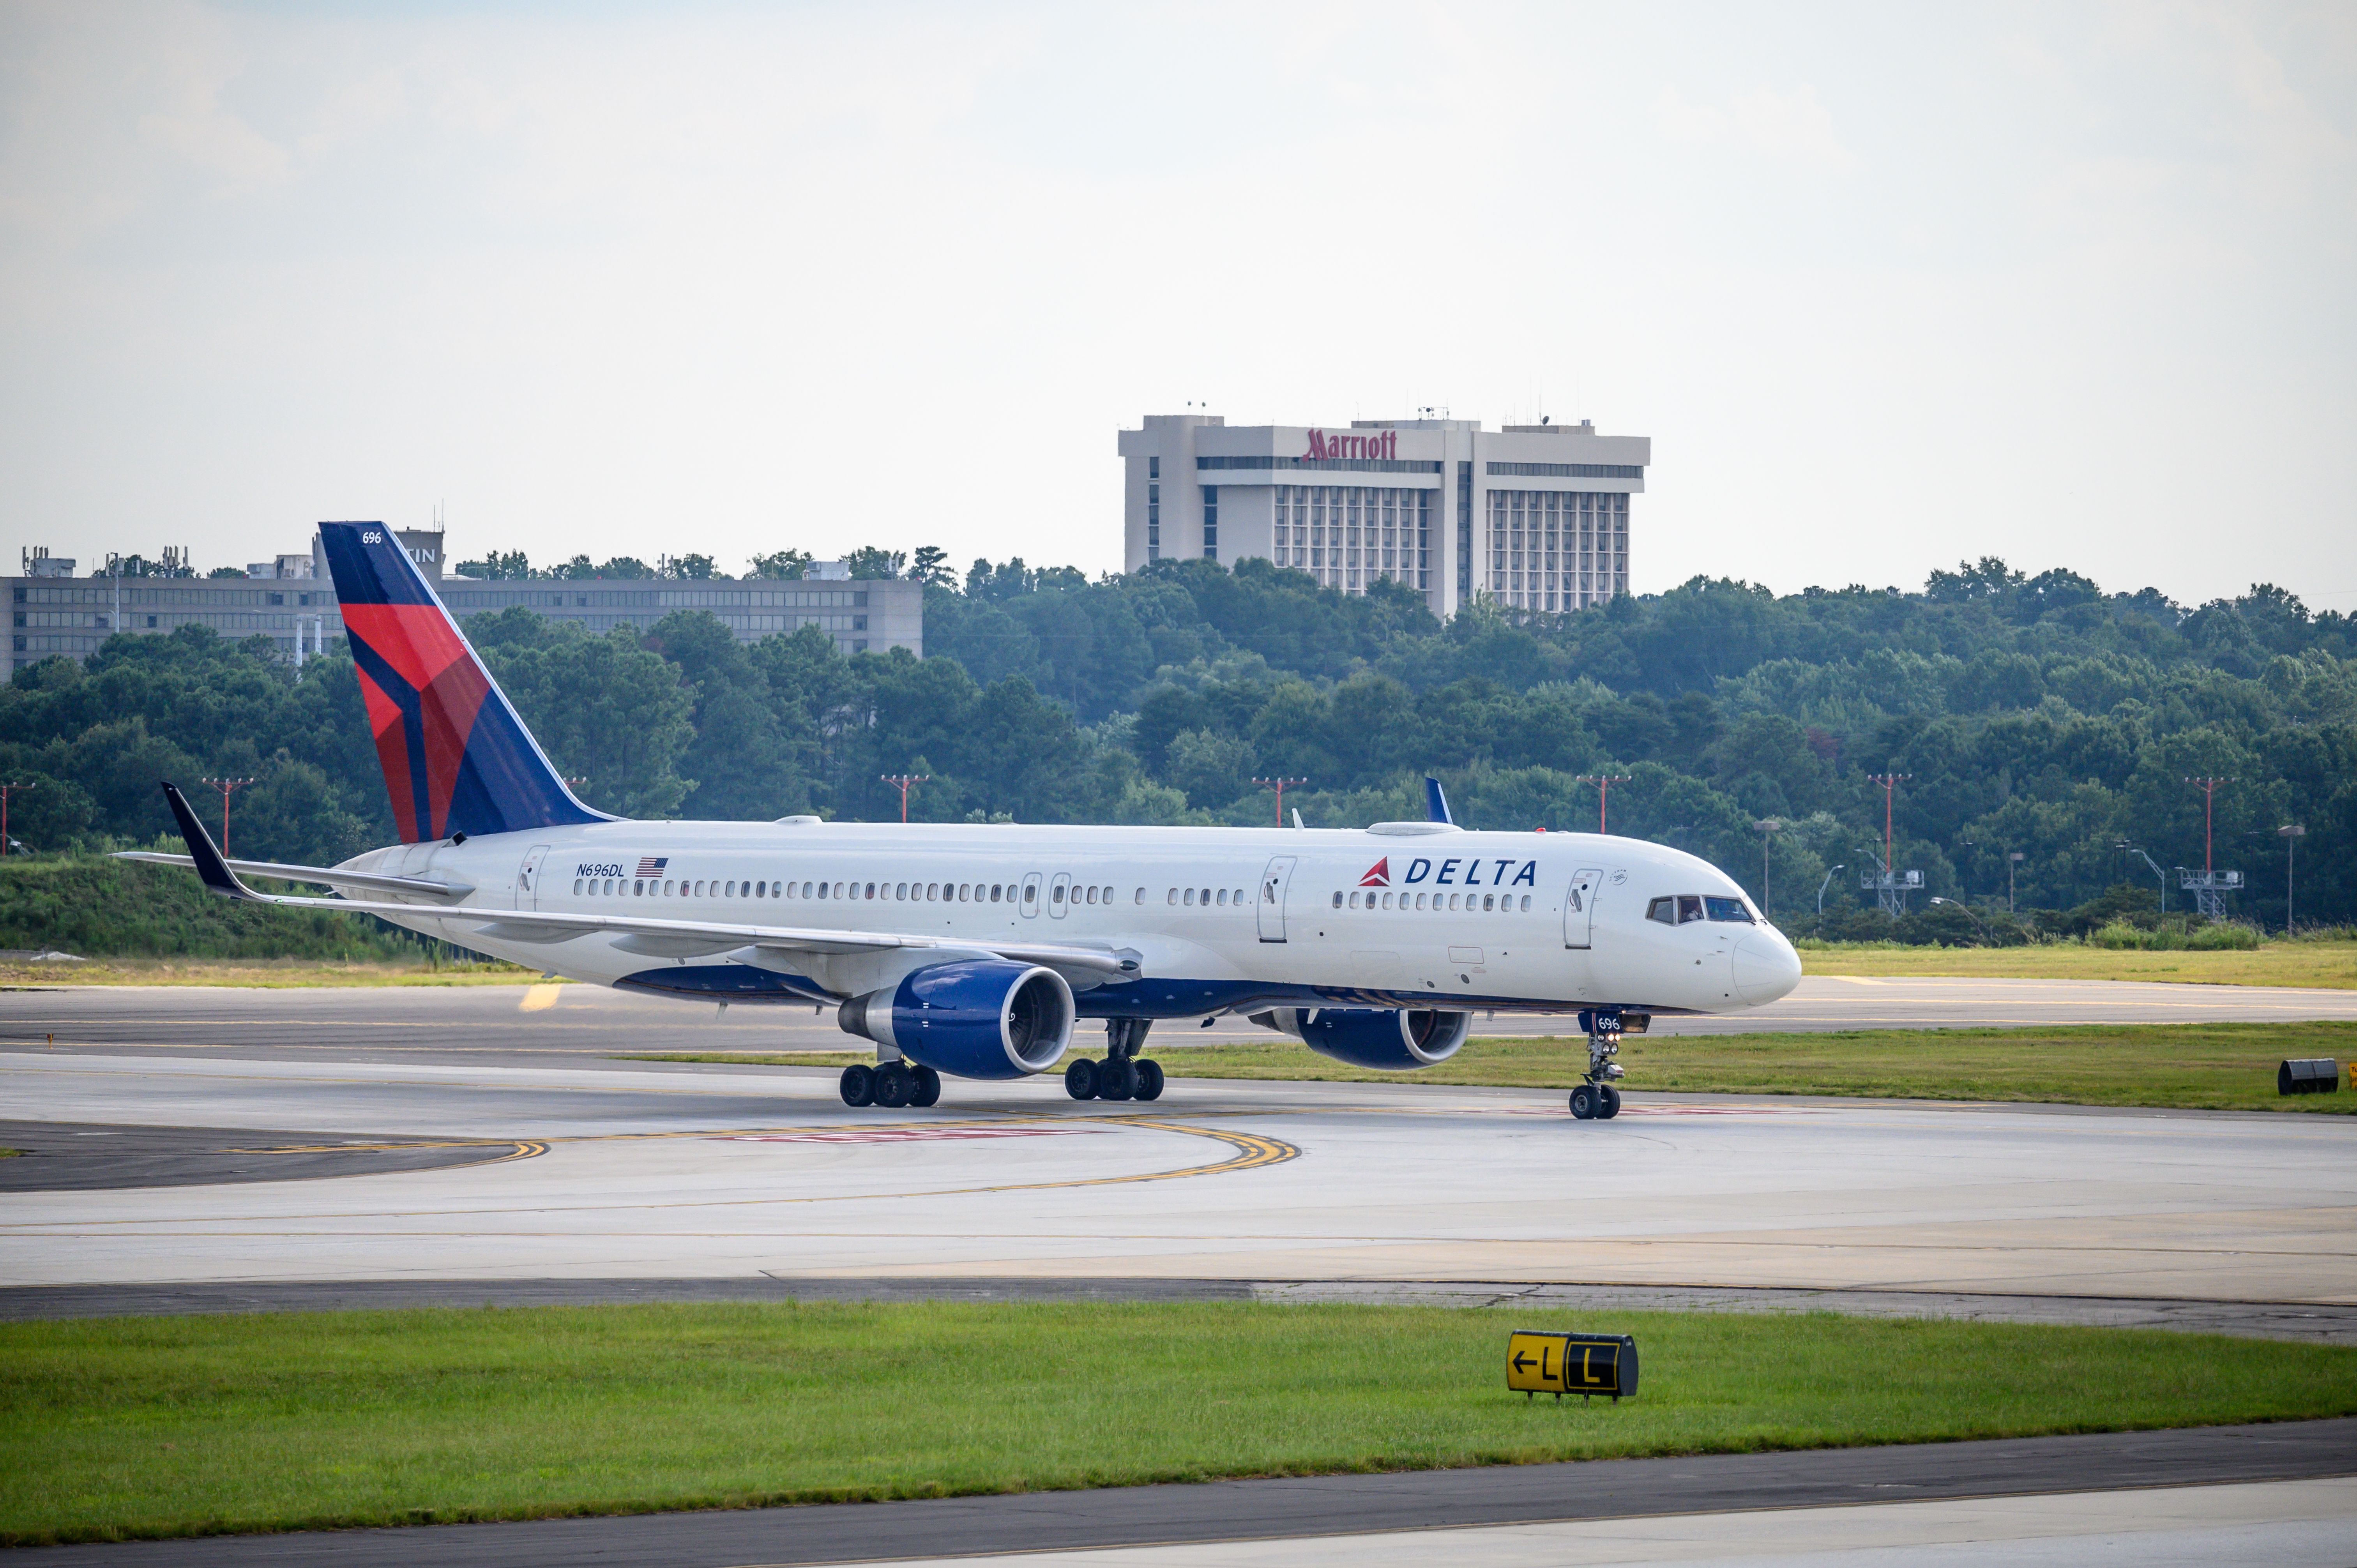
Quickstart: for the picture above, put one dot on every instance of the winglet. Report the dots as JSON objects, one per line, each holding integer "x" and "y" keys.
{"x": 218, "y": 877}
{"x": 1436, "y": 800}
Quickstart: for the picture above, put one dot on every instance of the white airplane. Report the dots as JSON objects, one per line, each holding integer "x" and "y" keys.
{"x": 974, "y": 950}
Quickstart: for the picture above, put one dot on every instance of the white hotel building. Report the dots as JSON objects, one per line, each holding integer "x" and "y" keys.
{"x": 1535, "y": 516}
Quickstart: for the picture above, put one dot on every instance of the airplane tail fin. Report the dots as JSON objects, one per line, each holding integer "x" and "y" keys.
{"x": 456, "y": 759}
{"x": 1436, "y": 800}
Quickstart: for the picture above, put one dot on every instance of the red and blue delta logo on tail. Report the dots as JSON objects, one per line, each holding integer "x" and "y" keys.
{"x": 456, "y": 759}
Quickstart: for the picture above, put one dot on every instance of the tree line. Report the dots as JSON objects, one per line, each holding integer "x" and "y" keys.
{"x": 2034, "y": 716}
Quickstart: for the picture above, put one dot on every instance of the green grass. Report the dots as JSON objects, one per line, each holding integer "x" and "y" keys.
{"x": 268, "y": 974}
{"x": 98, "y": 906}
{"x": 172, "y": 1426}
{"x": 2209, "y": 1067}
{"x": 2305, "y": 962}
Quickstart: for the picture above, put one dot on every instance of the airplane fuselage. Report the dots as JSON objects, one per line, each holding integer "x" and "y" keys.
{"x": 1217, "y": 920}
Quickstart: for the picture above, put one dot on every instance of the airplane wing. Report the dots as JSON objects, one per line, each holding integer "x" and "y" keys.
{"x": 375, "y": 881}
{"x": 653, "y": 937}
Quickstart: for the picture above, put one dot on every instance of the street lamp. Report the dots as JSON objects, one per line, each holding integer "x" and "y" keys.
{"x": 6, "y": 791}
{"x": 1769, "y": 828}
{"x": 2013, "y": 858}
{"x": 1976, "y": 919}
{"x": 2292, "y": 833}
{"x": 1828, "y": 882}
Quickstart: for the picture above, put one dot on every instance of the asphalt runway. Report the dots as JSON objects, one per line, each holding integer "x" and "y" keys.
{"x": 2273, "y": 1495}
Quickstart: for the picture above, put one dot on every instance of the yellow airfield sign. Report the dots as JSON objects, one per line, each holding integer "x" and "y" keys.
{"x": 1559, "y": 1364}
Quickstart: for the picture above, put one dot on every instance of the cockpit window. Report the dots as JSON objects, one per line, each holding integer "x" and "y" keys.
{"x": 1728, "y": 909}
{"x": 1662, "y": 909}
{"x": 1689, "y": 908}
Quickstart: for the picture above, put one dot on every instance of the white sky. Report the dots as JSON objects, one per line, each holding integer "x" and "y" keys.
{"x": 1888, "y": 285}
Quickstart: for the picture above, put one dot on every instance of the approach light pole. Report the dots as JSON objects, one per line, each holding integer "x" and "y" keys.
{"x": 227, "y": 787}
{"x": 1889, "y": 782}
{"x": 1604, "y": 782}
{"x": 1828, "y": 882}
{"x": 2209, "y": 787}
{"x": 1769, "y": 828}
{"x": 904, "y": 781}
{"x": 6, "y": 791}
{"x": 2292, "y": 833}
{"x": 2013, "y": 858}
{"x": 1280, "y": 785}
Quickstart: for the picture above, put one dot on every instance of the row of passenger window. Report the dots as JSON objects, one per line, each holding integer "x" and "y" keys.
{"x": 903, "y": 892}
{"x": 1685, "y": 907}
{"x": 1474, "y": 902}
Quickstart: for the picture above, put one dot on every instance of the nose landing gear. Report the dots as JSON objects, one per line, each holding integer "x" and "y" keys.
{"x": 1124, "y": 1074}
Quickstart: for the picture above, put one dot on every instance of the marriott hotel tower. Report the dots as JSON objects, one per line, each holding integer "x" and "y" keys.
{"x": 1535, "y": 516}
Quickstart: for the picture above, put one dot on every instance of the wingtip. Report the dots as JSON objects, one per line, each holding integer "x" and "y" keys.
{"x": 214, "y": 871}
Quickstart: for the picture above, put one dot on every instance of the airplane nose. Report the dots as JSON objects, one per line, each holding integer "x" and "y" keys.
{"x": 1766, "y": 968}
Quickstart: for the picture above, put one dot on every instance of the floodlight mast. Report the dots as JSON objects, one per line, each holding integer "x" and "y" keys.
{"x": 2292, "y": 833}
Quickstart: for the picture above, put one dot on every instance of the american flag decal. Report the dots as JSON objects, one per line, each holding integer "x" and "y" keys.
{"x": 653, "y": 865}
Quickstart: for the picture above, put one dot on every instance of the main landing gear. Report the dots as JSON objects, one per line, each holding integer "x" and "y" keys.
{"x": 1596, "y": 1099}
{"x": 890, "y": 1085}
{"x": 1124, "y": 1074}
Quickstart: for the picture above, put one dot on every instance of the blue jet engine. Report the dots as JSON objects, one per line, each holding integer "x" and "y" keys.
{"x": 1374, "y": 1037}
{"x": 970, "y": 1017}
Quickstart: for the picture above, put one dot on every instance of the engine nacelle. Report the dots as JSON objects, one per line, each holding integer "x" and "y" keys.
{"x": 971, "y": 1017}
{"x": 1373, "y": 1038}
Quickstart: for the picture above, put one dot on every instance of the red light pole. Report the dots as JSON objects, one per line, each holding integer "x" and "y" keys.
{"x": 1889, "y": 782}
{"x": 2209, "y": 787}
{"x": 1603, "y": 782}
{"x": 6, "y": 790}
{"x": 904, "y": 781}
{"x": 1278, "y": 785}
{"x": 227, "y": 787}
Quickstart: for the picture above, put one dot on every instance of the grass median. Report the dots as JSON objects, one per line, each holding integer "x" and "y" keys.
{"x": 2331, "y": 965}
{"x": 132, "y": 1427}
{"x": 2204, "y": 1066}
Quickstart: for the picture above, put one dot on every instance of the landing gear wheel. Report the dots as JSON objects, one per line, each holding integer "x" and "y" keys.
{"x": 1612, "y": 1103}
{"x": 1081, "y": 1078}
{"x": 1116, "y": 1080}
{"x": 928, "y": 1090}
{"x": 894, "y": 1085}
{"x": 859, "y": 1084}
{"x": 1584, "y": 1103}
{"x": 1149, "y": 1078}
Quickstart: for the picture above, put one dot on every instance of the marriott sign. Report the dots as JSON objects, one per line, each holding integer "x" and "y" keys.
{"x": 1379, "y": 444}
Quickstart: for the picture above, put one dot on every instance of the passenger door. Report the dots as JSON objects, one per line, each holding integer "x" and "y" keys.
{"x": 1579, "y": 906}
{"x": 1272, "y": 885}
{"x": 1058, "y": 893}
{"x": 527, "y": 888}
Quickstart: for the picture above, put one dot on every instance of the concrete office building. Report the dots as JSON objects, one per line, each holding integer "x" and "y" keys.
{"x": 1533, "y": 516}
{"x": 291, "y": 600}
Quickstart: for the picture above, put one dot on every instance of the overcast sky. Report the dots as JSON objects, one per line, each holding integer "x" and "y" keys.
{"x": 1888, "y": 285}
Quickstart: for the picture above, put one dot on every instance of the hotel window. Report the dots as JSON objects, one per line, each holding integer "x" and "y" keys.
{"x": 1211, "y": 523}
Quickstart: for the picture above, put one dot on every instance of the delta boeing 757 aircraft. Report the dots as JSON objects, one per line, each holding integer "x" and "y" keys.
{"x": 974, "y": 950}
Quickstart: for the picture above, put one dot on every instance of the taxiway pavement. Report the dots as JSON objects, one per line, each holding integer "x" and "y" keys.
{"x": 471, "y": 1022}
{"x": 637, "y": 1170}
